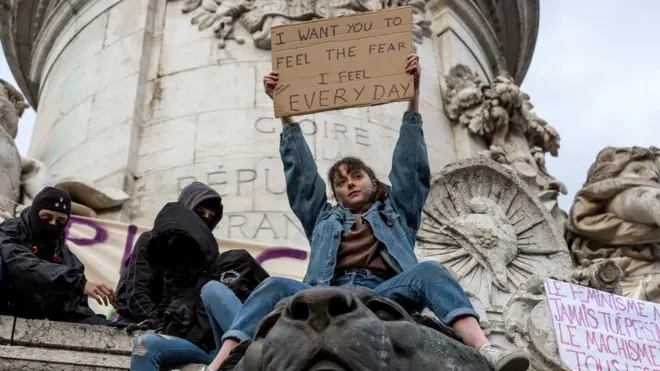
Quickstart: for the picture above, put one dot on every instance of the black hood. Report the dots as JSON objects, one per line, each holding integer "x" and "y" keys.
{"x": 177, "y": 220}
{"x": 196, "y": 194}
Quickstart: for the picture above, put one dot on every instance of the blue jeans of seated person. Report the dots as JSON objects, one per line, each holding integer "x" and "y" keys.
{"x": 426, "y": 284}
{"x": 153, "y": 351}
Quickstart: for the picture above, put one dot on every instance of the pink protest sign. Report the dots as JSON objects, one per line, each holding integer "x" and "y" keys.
{"x": 600, "y": 331}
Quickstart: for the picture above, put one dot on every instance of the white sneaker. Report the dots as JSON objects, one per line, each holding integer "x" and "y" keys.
{"x": 505, "y": 360}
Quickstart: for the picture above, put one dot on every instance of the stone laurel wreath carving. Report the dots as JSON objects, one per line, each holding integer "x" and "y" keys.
{"x": 616, "y": 215}
{"x": 259, "y": 16}
{"x": 516, "y": 137}
{"x": 481, "y": 222}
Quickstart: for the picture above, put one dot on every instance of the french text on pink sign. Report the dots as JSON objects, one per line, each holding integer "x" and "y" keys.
{"x": 601, "y": 331}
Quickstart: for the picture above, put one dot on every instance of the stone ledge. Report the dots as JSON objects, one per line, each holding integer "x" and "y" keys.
{"x": 30, "y": 344}
{"x": 51, "y": 334}
{"x": 6, "y": 328}
{"x": 14, "y": 358}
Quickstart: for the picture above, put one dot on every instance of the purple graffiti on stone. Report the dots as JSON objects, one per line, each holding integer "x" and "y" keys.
{"x": 128, "y": 247}
{"x": 281, "y": 252}
{"x": 100, "y": 235}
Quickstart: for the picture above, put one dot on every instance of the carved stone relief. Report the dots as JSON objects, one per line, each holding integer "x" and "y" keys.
{"x": 481, "y": 222}
{"x": 616, "y": 216}
{"x": 12, "y": 105}
{"x": 516, "y": 137}
{"x": 259, "y": 16}
{"x": 22, "y": 178}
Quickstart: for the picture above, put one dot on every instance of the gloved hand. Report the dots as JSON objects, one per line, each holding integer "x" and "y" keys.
{"x": 120, "y": 323}
{"x": 147, "y": 324}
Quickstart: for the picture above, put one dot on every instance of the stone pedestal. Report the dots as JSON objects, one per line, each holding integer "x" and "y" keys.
{"x": 148, "y": 95}
{"x": 58, "y": 346}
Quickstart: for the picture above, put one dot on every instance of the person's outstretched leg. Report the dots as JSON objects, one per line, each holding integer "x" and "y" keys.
{"x": 222, "y": 306}
{"x": 261, "y": 302}
{"x": 153, "y": 351}
{"x": 431, "y": 285}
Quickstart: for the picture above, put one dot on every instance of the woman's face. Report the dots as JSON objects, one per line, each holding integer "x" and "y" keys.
{"x": 643, "y": 169}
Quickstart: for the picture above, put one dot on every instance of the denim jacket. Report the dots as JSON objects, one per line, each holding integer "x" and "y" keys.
{"x": 395, "y": 221}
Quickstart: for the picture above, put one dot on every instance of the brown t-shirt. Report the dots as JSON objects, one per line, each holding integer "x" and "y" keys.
{"x": 360, "y": 249}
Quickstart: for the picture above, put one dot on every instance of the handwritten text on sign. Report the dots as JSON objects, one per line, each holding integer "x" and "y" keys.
{"x": 351, "y": 61}
{"x": 600, "y": 331}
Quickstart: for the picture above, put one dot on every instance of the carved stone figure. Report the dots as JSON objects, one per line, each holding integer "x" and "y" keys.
{"x": 258, "y": 17}
{"x": 616, "y": 215}
{"x": 352, "y": 328}
{"x": 516, "y": 137}
{"x": 481, "y": 221}
{"x": 22, "y": 178}
{"x": 12, "y": 105}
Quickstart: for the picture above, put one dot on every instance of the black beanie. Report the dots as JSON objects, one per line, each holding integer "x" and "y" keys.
{"x": 54, "y": 199}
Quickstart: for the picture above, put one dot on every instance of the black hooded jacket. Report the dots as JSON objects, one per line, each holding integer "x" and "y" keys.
{"x": 35, "y": 288}
{"x": 140, "y": 287}
{"x": 182, "y": 244}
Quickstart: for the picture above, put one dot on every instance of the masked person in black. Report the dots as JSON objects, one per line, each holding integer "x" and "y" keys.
{"x": 140, "y": 286}
{"x": 39, "y": 276}
{"x": 190, "y": 323}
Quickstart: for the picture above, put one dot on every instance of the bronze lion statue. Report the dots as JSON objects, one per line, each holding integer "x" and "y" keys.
{"x": 350, "y": 328}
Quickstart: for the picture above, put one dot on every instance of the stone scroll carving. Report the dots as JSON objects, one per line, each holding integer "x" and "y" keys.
{"x": 259, "y": 16}
{"x": 516, "y": 137}
{"x": 616, "y": 215}
{"x": 22, "y": 178}
{"x": 482, "y": 222}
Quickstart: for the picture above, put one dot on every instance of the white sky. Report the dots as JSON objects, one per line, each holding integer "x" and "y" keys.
{"x": 595, "y": 77}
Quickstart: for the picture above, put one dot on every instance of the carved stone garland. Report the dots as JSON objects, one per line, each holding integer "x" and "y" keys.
{"x": 259, "y": 16}
{"x": 516, "y": 137}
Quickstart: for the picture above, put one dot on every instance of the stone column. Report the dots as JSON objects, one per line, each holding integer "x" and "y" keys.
{"x": 149, "y": 95}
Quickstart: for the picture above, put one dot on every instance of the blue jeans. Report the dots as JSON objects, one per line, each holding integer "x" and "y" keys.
{"x": 152, "y": 351}
{"x": 426, "y": 284}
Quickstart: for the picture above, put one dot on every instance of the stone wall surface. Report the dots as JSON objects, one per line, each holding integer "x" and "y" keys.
{"x": 57, "y": 346}
{"x": 149, "y": 95}
{"x": 134, "y": 96}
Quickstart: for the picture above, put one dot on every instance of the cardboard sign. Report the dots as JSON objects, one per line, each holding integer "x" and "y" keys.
{"x": 350, "y": 61}
{"x": 600, "y": 331}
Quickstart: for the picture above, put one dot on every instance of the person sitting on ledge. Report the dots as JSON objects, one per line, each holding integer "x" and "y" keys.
{"x": 40, "y": 277}
{"x": 368, "y": 238}
{"x": 140, "y": 286}
{"x": 190, "y": 320}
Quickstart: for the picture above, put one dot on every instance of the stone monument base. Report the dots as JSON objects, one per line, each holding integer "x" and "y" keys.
{"x": 58, "y": 346}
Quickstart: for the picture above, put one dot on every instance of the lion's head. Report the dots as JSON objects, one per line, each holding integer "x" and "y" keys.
{"x": 351, "y": 329}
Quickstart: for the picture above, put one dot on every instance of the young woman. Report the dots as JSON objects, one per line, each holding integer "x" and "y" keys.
{"x": 368, "y": 238}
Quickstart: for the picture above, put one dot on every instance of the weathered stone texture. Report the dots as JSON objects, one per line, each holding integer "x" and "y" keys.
{"x": 17, "y": 358}
{"x": 50, "y": 334}
{"x": 59, "y": 346}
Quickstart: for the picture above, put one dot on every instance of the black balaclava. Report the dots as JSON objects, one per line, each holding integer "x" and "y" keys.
{"x": 53, "y": 199}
